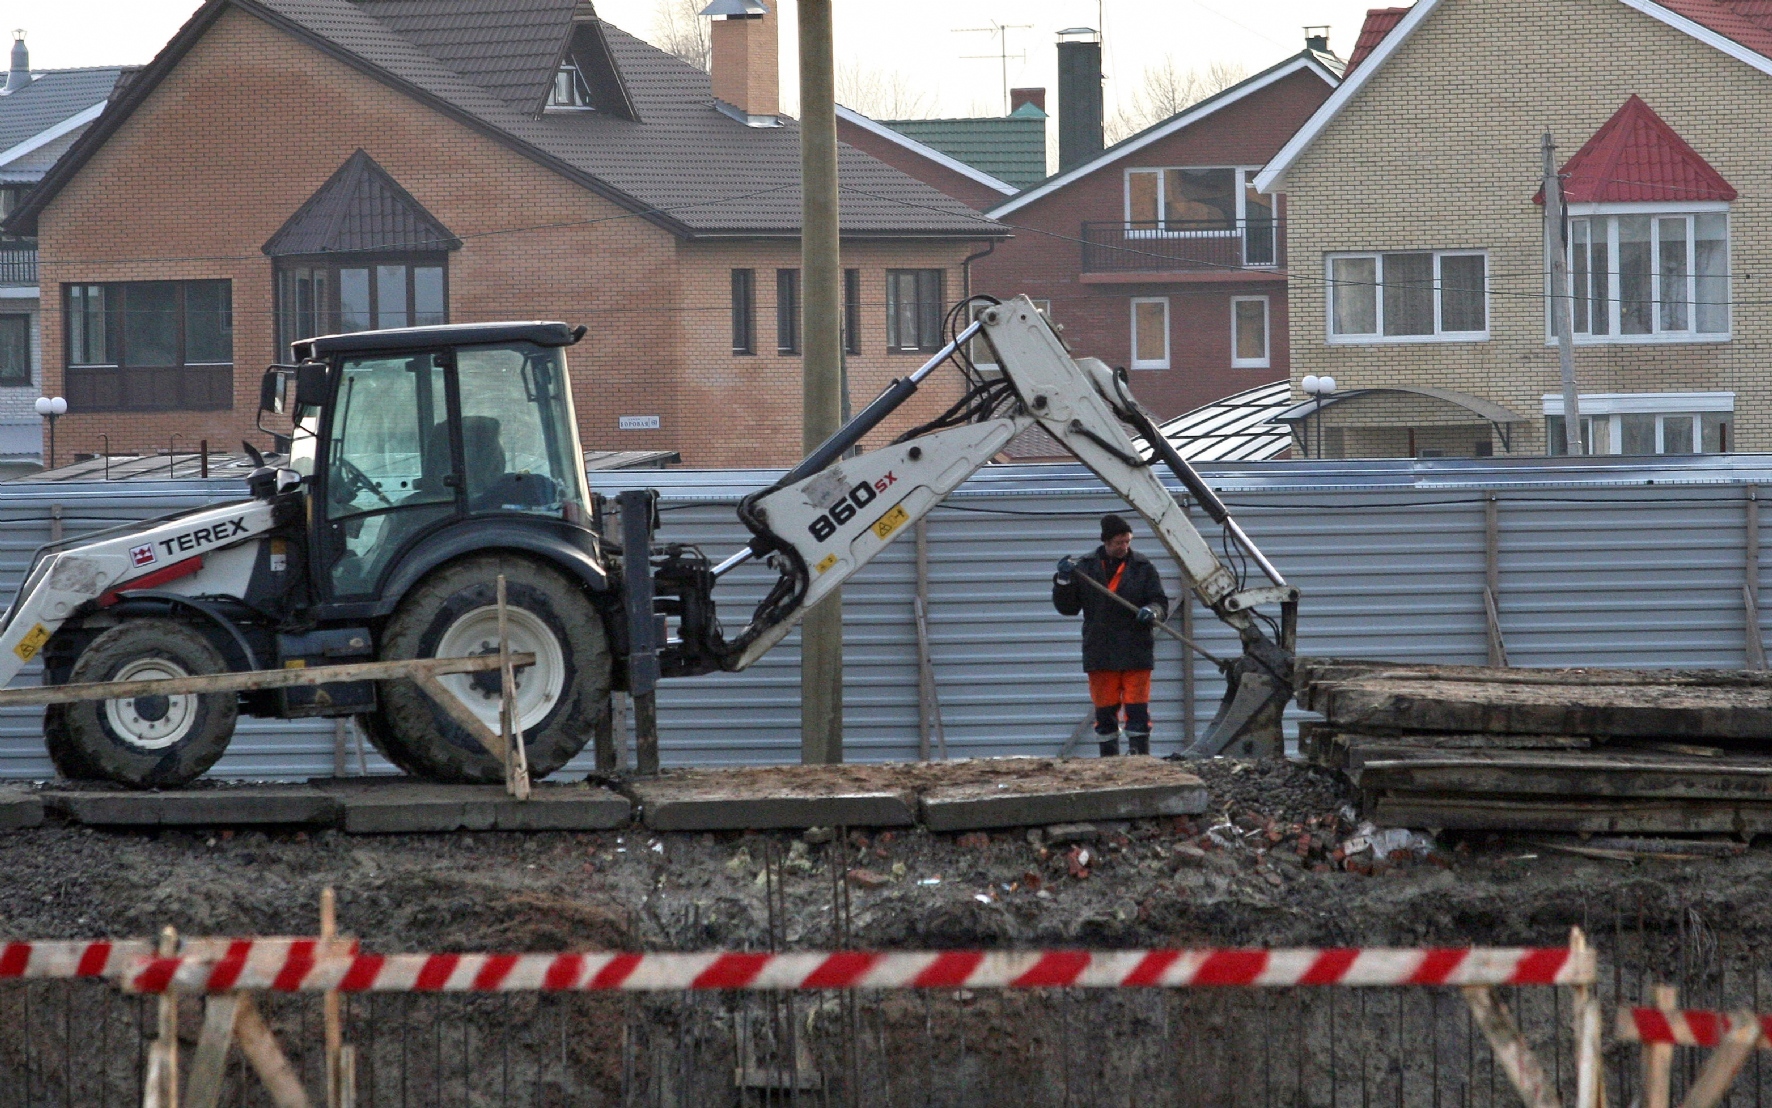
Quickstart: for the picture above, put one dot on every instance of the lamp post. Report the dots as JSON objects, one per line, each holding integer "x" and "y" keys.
{"x": 49, "y": 407}
{"x": 1318, "y": 387}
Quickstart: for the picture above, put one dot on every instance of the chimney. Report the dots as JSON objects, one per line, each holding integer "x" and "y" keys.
{"x": 1316, "y": 39}
{"x": 747, "y": 62}
{"x": 1020, "y": 96}
{"x": 1079, "y": 96}
{"x": 20, "y": 74}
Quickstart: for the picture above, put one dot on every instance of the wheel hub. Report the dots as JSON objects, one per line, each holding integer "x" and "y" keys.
{"x": 538, "y": 687}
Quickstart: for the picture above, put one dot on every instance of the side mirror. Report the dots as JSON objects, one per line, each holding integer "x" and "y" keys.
{"x": 310, "y": 385}
{"x": 273, "y": 391}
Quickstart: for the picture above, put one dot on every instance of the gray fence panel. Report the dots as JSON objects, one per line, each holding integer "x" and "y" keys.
{"x": 1628, "y": 564}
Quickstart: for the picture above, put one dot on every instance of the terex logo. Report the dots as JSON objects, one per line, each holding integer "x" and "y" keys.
{"x": 844, "y": 510}
{"x": 190, "y": 540}
{"x": 142, "y": 555}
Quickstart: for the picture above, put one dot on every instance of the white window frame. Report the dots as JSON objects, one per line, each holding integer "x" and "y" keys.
{"x": 1379, "y": 336}
{"x": 578, "y": 89}
{"x": 1245, "y": 179}
{"x": 1606, "y": 409}
{"x": 1150, "y": 363}
{"x": 1267, "y": 334}
{"x": 1605, "y": 215}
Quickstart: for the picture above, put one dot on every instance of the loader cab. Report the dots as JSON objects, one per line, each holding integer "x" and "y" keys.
{"x": 431, "y": 437}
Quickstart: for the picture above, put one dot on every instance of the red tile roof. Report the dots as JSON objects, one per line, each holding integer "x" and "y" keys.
{"x": 1748, "y": 22}
{"x": 1636, "y": 156}
{"x": 1379, "y": 23}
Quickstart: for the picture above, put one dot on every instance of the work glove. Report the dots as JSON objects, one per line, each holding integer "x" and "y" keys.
{"x": 1147, "y": 615}
{"x": 1066, "y": 566}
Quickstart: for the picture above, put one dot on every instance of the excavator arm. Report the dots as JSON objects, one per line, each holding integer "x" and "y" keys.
{"x": 832, "y": 514}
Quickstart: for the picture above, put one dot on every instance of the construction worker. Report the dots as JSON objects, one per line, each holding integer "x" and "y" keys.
{"x": 1117, "y": 645}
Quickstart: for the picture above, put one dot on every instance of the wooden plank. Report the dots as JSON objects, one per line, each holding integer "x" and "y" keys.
{"x": 209, "y": 1061}
{"x": 1590, "y": 774}
{"x": 1724, "y": 1063}
{"x": 254, "y": 679}
{"x": 1576, "y": 816}
{"x": 1512, "y": 1052}
{"x": 1632, "y": 710}
{"x": 1658, "y": 1058}
{"x": 461, "y": 713}
{"x": 267, "y": 1058}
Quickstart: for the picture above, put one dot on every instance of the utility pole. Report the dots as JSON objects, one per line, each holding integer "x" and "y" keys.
{"x": 821, "y": 363}
{"x": 1556, "y": 259}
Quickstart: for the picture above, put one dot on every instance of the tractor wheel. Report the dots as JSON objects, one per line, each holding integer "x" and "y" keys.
{"x": 59, "y": 741}
{"x": 144, "y": 741}
{"x": 454, "y": 613}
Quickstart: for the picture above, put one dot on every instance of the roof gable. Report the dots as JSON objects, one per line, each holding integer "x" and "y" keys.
{"x": 36, "y": 111}
{"x": 360, "y": 208}
{"x": 510, "y": 48}
{"x": 1379, "y": 23}
{"x": 1307, "y": 61}
{"x": 1635, "y": 156}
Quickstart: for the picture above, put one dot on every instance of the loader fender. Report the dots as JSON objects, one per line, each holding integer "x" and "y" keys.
{"x": 554, "y": 543}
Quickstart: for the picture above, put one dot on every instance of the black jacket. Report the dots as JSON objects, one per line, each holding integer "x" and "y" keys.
{"x": 1112, "y": 636}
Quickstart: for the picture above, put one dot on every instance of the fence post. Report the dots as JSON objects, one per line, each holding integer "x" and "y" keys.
{"x": 1188, "y": 660}
{"x": 1750, "y": 590}
{"x": 1492, "y": 579}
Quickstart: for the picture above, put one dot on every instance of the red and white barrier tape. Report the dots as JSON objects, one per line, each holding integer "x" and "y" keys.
{"x": 98, "y": 958}
{"x": 302, "y": 969}
{"x": 1689, "y": 1027}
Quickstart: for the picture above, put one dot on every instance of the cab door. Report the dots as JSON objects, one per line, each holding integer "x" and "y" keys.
{"x": 390, "y": 474}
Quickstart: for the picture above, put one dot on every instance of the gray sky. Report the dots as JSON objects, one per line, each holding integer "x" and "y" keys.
{"x": 916, "y": 38}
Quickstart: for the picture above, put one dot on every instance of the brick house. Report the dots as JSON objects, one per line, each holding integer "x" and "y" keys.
{"x": 1418, "y": 244}
{"x": 327, "y": 165}
{"x": 42, "y": 113}
{"x": 1158, "y": 254}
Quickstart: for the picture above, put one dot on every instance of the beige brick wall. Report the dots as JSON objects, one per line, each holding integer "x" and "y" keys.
{"x": 253, "y": 121}
{"x": 1440, "y": 150}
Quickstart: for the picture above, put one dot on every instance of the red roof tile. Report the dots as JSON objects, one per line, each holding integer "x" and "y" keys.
{"x": 1748, "y": 22}
{"x": 1636, "y": 156}
{"x": 1379, "y": 23}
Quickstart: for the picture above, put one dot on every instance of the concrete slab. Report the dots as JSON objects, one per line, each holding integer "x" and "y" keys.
{"x": 19, "y": 809}
{"x": 228, "y": 806}
{"x": 404, "y": 806}
{"x": 764, "y": 798}
{"x": 1044, "y": 791}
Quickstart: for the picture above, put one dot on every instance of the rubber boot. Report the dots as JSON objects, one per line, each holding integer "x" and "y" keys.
{"x": 1138, "y": 742}
{"x": 1110, "y": 746}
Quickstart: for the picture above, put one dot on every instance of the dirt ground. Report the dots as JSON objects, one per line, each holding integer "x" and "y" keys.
{"x": 1280, "y": 861}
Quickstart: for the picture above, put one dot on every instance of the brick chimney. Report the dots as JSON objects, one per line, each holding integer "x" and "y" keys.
{"x": 1020, "y": 96}
{"x": 747, "y": 62}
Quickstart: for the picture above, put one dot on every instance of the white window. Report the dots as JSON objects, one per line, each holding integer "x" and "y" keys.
{"x": 1647, "y": 423}
{"x": 570, "y": 89}
{"x": 1649, "y": 276}
{"x": 1249, "y": 330}
{"x": 1150, "y": 332}
{"x": 1414, "y": 296}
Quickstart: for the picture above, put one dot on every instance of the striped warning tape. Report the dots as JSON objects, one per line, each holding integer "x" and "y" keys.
{"x": 305, "y": 969}
{"x": 102, "y": 958}
{"x": 1688, "y": 1027}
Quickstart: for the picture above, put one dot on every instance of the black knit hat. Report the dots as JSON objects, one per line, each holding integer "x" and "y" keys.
{"x": 1112, "y": 525}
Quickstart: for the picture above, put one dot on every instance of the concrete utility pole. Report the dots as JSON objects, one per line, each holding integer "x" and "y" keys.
{"x": 821, "y": 362}
{"x": 1556, "y": 258}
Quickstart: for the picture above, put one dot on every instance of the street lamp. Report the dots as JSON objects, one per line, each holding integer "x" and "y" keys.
{"x": 1319, "y": 387}
{"x": 49, "y": 407}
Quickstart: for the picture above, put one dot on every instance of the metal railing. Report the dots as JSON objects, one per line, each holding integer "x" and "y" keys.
{"x": 1123, "y": 246}
{"x": 18, "y": 264}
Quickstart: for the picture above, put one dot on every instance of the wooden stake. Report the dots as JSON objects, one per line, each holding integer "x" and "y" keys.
{"x": 266, "y": 1057}
{"x": 1511, "y": 1049}
{"x": 1725, "y": 1062}
{"x": 333, "y": 1015}
{"x": 1590, "y": 1074}
{"x": 208, "y": 1064}
{"x": 516, "y": 759}
{"x": 160, "y": 1090}
{"x": 1658, "y": 1058}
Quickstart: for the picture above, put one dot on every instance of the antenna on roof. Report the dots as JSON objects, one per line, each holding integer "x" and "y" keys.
{"x": 1001, "y": 30}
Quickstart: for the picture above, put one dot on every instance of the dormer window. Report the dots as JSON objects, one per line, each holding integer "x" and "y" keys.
{"x": 570, "y": 89}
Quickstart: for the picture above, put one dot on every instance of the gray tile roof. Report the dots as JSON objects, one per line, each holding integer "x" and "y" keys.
{"x": 694, "y": 168}
{"x": 360, "y": 207}
{"x": 54, "y": 95}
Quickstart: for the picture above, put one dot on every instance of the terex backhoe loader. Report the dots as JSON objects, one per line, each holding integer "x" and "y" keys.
{"x": 426, "y": 462}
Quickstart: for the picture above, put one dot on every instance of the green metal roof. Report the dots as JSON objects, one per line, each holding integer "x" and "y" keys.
{"x": 1010, "y": 148}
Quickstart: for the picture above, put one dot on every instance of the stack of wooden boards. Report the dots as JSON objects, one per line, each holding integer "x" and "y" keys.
{"x": 1565, "y": 750}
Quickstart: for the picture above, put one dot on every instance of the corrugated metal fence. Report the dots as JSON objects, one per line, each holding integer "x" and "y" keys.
{"x": 1600, "y": 562}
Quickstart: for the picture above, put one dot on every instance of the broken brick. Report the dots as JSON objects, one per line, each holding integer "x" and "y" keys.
{"x": 867, "y": 878}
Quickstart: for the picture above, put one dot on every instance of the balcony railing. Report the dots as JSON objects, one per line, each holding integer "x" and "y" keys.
{"x": 18, "y": 263}
{"x": 1121, "y": 246}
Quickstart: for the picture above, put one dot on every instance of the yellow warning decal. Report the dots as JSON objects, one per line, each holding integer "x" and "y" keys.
{"x": 829, "y": 561}
{"x": 32, "y": 642}
{"x": 295, "y": 663}
{"x": 891, "y": 521}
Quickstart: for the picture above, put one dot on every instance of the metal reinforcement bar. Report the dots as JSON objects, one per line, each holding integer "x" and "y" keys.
{"x": 296, "y": 969}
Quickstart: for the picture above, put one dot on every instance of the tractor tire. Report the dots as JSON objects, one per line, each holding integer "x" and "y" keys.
{"x": 454, "y": 613}
{"x": 146, "y": 742}
{"x": 59, "y": 741}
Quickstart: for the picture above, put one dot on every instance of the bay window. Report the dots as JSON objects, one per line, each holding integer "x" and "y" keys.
{"x": 1650, "y": 276}
{"x": 318, "y": 296}
{"x": 1413, "y": 296}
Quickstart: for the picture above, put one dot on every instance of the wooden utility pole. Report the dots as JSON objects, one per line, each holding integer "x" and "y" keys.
{"x": 1556, "y": 259}
{"x": 821, "y": 363}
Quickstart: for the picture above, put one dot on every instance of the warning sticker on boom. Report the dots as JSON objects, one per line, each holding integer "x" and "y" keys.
{"x": 32, "y": 642}
{"x": 891, "y": 521}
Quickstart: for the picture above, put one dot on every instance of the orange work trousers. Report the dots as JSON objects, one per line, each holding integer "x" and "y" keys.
{"x": 1110, "y": 688}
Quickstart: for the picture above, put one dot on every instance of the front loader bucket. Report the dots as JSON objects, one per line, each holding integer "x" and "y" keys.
{"x": 1248, "y": 721}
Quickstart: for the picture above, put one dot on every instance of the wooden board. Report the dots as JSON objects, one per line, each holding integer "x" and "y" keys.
{"x": 1593, "y": 773}
{"x": 1595, "y": 816}
{"x": 1324, "y": 745}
